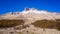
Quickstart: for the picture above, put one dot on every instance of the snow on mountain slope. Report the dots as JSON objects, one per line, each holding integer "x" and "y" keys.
{"x": 31, "y": 15}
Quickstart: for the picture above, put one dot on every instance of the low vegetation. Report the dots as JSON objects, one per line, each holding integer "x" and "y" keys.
{"x": 58, "y": 24}
{"x": 54, "y": 24}
{"x": 10, "y": 23}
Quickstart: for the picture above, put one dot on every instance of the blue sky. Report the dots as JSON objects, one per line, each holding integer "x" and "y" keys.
{"x": 19, "y": 5}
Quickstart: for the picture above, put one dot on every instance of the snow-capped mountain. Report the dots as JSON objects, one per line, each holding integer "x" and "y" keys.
{"x": 31, "y": 14}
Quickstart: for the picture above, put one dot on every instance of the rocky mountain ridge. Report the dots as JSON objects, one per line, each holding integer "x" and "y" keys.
{"x": 30, "y": 15}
